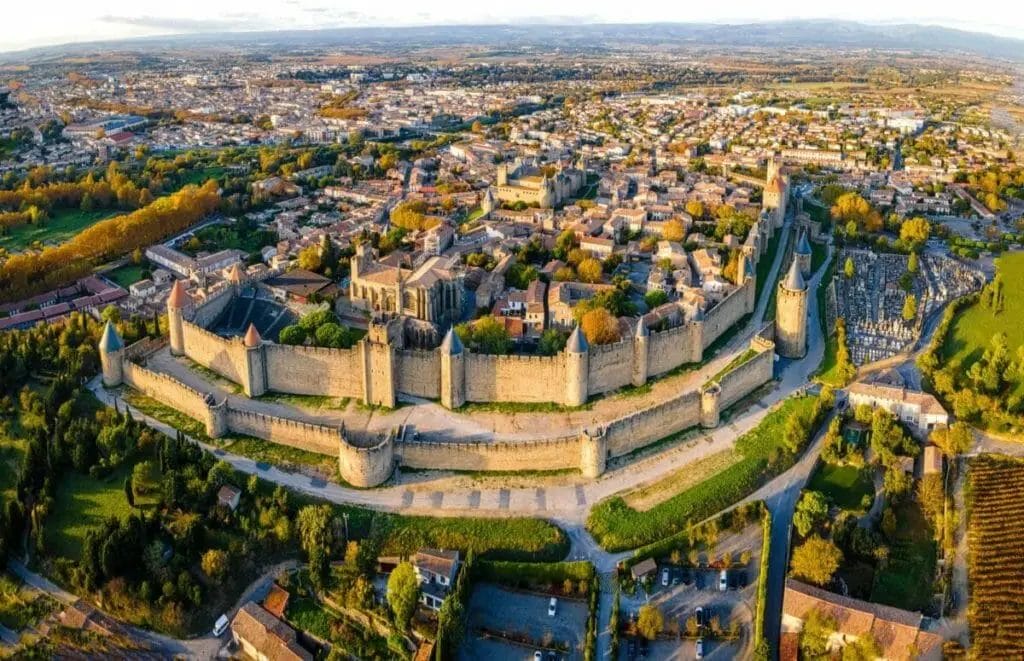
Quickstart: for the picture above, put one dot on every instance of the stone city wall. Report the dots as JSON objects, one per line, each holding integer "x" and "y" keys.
{"x": 302, "y": 435}
{"x": 748, "y": 377}
{"x": 671, "y": 348}
{"x": 611, "y": 366}
{"x": 313, "y": 370}
{"x": 166, "y": 390}
{"x": 515, "y": 378}
{"x": 554, "y": 454}
{"x": 225, "y": 356}
{"x": 730, "y": 310}
{"x": 644, "y": 427}
{"x": 419, "y": 373}
{"x": 207, "y": 312}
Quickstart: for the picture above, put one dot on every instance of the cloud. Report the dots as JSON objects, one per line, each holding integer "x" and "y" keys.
{"x": 240, "y": 21}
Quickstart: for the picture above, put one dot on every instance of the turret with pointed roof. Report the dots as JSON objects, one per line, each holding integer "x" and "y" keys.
{"x": 577, "y": 369}
{"x": 791, "y": 314}
{"x": 794, "y": 279}
{"x": 176, "y": 304}
{"x": 252, "y": 336}
{"x": 111, "y": 356}
{"x": 451, "y": 344}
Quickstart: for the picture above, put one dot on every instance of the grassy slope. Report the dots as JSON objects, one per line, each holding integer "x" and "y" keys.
{"x": 58, "y": 228}
{"x": 82, "y": 503}
{"x": 617, "y": 526}
{"x": 974, "y": 327}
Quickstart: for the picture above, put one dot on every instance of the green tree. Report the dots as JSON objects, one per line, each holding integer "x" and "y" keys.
{"x": 552, "y": 341}
{"x": 915, "y": 231}
{"x": 909, "y": 307}
{"x": 403, "y": 593}
{"x": 955, "y": 440}
{"x": 654, "y": 298}
{"x": 293, "y": 335}
{"x": 650, "y": 621}
{"x": 590, "y": 270}
{"x": 912, "y": 263}
{"x": 816, "y": 560}
{"x": 215, "y": 564}
{"x": 315, "y": 537}
{"x": 849, "y": 270}
{"x": 814, "y": 637}
{"x": 811, "y": 510}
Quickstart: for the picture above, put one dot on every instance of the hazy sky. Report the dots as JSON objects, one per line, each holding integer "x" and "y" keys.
{"x": 30, "y": 23}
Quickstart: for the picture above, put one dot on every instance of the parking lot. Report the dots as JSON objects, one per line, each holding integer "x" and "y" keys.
{"x": 498, "y": 609}
{"x": 690, "y": 588}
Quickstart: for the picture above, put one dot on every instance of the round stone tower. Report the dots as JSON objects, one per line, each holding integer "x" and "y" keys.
{"x": 593, "y": 452}
{"x": 176, "y": 304}
{"x": 577, "y": 368}
{"x": 641, "y": 342}
{"x": 791, "y": 314}
{"x": 710, "y": 413}
{"x": 111, "y": 356}
{"x": 453, "y": 371}
{"x": 255, "y": 360}
{"x": 802, "y": 254}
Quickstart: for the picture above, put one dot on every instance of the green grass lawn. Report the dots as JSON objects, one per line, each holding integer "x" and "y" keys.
{"x": 973, "y": 328}
{"x": 82, "y": 503}
{"x": 128, "y": 274}
{"x": 616, "y": 526}
{"x": 845, "y": 486}
{"x": 60, "y": 227}
{"x": 906, "y": 581}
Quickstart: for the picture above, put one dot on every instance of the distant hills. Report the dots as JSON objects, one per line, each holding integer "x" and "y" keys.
{"x": 816, "y": 33}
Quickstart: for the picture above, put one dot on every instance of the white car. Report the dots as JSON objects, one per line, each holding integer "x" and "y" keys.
{"x": 700, "y": 648}
{"x": 664, "y": 577}
{"x": 220, "y": 626}
{"x": 723, "y": 581}
{"x": 538, "y": 656}
{"x": 552, "y": 606}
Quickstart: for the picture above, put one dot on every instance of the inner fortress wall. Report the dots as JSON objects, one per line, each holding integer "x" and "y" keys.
{"x": 301, "y": 435}
{"x": 515, "y": 378}
{"x": 644, "y": 427}
{"x": 669, "y": 349}
{"x": 611, "y": 366}
{"x": 210, "y": 309}
{"x": 731, "y": 309}
{"x": 554, "y": 454}
{"x": 751, "y": 375}
{"x": 166, "y": 390}
{"x": 313, "y": 370}
{"x": 222, "y": 355}
{"x": 419, "y": 373}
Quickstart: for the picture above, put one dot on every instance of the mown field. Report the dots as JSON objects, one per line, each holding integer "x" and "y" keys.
{"x": 994, "y": 561}
{"x": 845, "y": 486}
{"x": 60, "y": 227}
{"x": 973, "y": 328}
{"x": 616, "y": 526}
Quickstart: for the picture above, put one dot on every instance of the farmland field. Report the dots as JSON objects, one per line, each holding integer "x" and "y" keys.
{"x": 996, "y": 506}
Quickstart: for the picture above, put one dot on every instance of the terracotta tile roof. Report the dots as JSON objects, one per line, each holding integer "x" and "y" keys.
{"x": 274, "y": 639}
{"x": 276, "y": 600}
{"x": 924, "y": 401}
{"x": 894, "y": 630}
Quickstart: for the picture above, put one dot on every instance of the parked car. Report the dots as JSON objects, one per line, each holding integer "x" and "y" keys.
{"x": 220, "y": 626}
{"x": 631, "y": 648}
{"x": 700, "y": 648}
{"x": 643, "y": 648}
{"x": 698, "y": 615}
{"x": 552, "y": 606}
{"x": 664, "y": 577}
{"x": 538, "y": 656}
{"x": 723, "y": 581}
{"x": 552, "y": 656}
